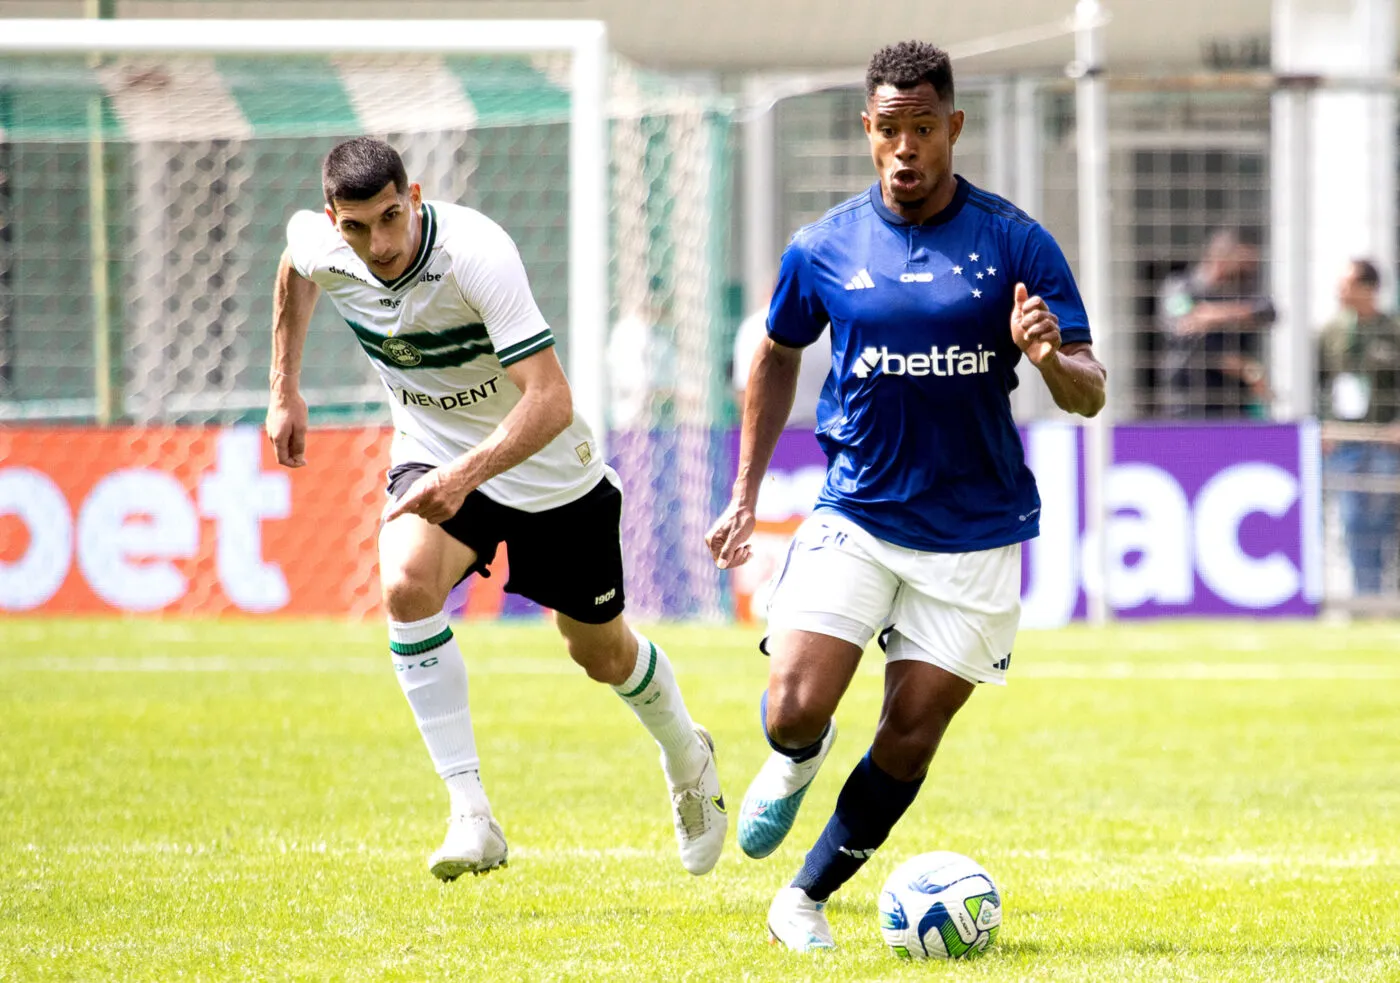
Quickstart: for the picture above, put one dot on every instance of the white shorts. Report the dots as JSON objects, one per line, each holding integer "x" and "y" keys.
{"x": 957, "y": 611}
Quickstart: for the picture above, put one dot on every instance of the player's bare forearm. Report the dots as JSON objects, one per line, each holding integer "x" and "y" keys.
{"x": 1077, "y": 380}
{"x": 293, "y": 300}
{"x": 545, "y": 409}
{"x": 527, "y": 429}
{"x": 767, "y": 402}
{"x": 768, "y": 397}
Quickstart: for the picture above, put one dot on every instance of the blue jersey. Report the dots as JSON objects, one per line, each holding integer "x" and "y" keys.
{"x": 915, "y": 417}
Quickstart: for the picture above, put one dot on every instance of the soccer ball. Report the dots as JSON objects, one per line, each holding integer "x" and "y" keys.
{"x": 940, "y": 906}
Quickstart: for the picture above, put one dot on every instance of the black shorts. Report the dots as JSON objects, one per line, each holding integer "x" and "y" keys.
{"x": 567, "y": 558}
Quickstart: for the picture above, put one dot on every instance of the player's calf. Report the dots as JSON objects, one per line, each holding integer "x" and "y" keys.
{"x": 643, "y": 678}
{"x": 776, "y": 793}
{"x": 606, "y": 652}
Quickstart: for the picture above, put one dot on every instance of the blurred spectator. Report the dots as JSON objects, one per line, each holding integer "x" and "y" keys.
{"x": 816, "y": 366}
{"x": 1359, "y": 382}
{"x": 1214, "y": 317}
{"x": 641, "y": 370}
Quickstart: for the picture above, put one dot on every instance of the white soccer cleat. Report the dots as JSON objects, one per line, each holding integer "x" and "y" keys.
{"x": 474, "y": 844}
{"x": 770, "y": 805}
{"x": 699, "y": 814}
{"x": 798, "y": 922}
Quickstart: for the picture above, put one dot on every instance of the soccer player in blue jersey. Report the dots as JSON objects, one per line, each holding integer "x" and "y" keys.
{"x": 933, "y": 290}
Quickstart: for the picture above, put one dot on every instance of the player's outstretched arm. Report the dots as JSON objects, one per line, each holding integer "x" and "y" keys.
{"x": 1075, "y": 377}
{"x": 767, "y": 403}
{"x": 293, "y": 300}
{"x": 545, "y": 409}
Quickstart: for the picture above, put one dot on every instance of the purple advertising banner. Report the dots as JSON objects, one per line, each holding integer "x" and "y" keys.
{"x": 1204, "y": 520}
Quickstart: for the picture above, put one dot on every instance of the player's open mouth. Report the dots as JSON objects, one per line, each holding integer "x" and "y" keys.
{"x": 906, "y": 177}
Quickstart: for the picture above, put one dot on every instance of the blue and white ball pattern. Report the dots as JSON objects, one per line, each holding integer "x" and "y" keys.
{"x": 940, "y": 905}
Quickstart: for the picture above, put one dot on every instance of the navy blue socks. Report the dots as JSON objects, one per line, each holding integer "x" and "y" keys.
{"x": 869, "y": 805}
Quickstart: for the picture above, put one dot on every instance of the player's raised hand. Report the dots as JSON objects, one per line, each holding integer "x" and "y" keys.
{"x": 435, "y": 497}
{"x": 1034, "y": 329}
{"x": 728, "y": 538}
{"x": 287, "y": 422}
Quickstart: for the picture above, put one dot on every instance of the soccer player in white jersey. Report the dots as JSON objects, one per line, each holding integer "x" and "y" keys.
{"x": 487, "y": 449}
{"x": 933, "y": 290}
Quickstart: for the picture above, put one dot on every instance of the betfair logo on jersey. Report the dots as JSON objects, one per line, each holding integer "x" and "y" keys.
{"x": 345, "y": 273}
{"x": 401, "y": 352}
{"x": 952, "y": 361}
{"x": 452, "y": 401}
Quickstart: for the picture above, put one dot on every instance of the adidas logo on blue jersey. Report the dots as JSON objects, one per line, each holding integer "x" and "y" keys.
{"x": 861, "y": 281}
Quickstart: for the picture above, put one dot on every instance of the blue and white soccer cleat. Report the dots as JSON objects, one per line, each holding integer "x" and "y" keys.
{"x": 776, "y": 793}
{"x": 474, "y": 844}
{"x": 798, "y": 922}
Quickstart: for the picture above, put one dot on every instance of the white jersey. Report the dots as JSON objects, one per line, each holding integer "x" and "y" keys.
{"x": 440, "y": 337}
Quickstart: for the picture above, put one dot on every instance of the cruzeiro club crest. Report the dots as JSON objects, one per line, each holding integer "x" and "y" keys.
{"x": 401, "y": 352}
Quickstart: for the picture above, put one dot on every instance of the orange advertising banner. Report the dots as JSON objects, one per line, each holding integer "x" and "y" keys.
{"x": 189, "y": 520}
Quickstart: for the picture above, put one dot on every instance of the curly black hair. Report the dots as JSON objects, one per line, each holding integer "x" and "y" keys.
{"x": 908, "y": 64}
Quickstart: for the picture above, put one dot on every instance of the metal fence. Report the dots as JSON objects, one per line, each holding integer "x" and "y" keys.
{"x": 1194, "y": 213}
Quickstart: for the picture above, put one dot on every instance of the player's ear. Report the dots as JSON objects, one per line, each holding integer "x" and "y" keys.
{"x": 955, "y": 125}
{"x": 866, "y": 122}
{"x": 415, "y": 195}
{"x": 330, "y": 214}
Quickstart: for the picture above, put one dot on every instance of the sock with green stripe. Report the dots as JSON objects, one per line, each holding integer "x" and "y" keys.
{"x": 653, "y": 695}
{"x": 434, "y": 678}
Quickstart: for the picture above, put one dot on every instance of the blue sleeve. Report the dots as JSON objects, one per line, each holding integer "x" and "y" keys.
{"x": 796, "y": 317}
{"x": 1046, "y": 274}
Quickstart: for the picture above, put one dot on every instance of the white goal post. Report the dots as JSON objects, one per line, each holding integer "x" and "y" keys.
{"x": 585, "y": 42}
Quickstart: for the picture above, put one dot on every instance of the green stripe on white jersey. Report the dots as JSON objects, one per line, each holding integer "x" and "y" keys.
{"x": 441, "y": 337}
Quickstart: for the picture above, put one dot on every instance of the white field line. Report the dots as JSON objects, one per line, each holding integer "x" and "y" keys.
{"x": 1359, "y": 859}
{"x": 1233, "y": 640}
{"x": 322, "y": 848}
{"x": 1356, "y": 859}
{"x": 1227, "y": 671}
{"x": 509, "y": 666}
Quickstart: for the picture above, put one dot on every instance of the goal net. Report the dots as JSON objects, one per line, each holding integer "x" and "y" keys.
{"x": 143, "y": 202}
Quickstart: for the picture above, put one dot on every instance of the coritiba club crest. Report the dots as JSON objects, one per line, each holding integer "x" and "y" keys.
{"x": 401, "y": 352}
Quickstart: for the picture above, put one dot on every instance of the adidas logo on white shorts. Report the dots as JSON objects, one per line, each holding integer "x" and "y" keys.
{"x": 861, "y": 281}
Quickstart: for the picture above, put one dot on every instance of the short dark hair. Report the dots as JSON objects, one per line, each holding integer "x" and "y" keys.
{"x": 1366, "y": 273}
{"x": 358, "y": 169}
{"x": 909, "y": 64}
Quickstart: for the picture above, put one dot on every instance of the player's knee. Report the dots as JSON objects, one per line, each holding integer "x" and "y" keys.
{"x": 408, "y": 597}
{"x": 793, "y": 718}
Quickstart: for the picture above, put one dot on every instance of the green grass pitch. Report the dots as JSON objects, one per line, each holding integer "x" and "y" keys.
{"x": 250, "y": 800}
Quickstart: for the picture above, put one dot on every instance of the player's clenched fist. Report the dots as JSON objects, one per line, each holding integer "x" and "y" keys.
{"x": 728, "y": 538}
{"x": 435, "y": 497}
{"x": 1034, "y": 329}
{"x": 286, "y": 428}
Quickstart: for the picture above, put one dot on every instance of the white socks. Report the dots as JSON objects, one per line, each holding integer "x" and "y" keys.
{"x": 468, "y": 797}
{"x": 653, "y": 695}
{"x": 434, "y": 678}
